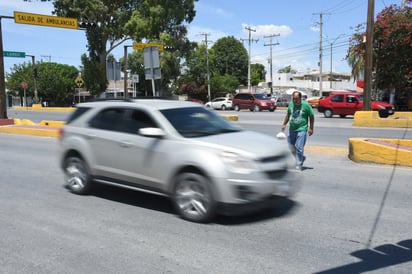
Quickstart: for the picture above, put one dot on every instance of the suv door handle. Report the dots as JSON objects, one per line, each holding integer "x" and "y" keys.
{"x": 125, "y": 143}
{"x": 90, "y": 135}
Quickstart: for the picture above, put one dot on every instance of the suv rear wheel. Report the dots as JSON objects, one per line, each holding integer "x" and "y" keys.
{"x": 192, "y": 197}
{"x": 77, "y": 175}
{"x": 236, "y": 107}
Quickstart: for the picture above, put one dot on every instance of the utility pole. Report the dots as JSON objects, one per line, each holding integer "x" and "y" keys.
{"x": 3, "y": 103}
{"x": 270, "y": 58}
{"x": 320, "y": 51}
{"x": 250, "y": 40}
{"x": 207, "y": 65}
{"x": 33, "y": 63}
{"x": 368, "y": 57}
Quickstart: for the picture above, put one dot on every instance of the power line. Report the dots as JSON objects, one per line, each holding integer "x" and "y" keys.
{"x": 207, "y": 64}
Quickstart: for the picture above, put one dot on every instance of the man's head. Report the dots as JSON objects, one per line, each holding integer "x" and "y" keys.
{"x": 297, "y": 97}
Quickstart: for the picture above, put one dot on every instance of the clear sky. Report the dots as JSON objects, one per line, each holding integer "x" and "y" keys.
{"x": 297, "y": 23}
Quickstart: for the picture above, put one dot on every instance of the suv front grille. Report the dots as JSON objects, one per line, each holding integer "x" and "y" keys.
{"x": 276, "y": 174}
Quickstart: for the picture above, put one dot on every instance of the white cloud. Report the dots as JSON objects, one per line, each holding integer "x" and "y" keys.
{"x": 265, "y": 30}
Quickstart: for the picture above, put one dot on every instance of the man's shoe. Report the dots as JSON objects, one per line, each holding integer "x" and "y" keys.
{"x": 299, "y": 168}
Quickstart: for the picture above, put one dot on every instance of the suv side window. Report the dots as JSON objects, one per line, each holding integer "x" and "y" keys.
{"x": 77, "y": 113}
{"x": 337, "y": 99}
{"x": 136, "y": 119}
{"x": 108, "y": 119}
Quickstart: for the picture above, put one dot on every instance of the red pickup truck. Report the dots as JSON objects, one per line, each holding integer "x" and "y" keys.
{"x": 347, "y": 103}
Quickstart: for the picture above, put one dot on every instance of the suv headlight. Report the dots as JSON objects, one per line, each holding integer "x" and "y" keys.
{"x": 237, "y": 163}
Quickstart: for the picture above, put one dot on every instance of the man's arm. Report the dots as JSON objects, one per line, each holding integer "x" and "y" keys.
{"x": 311, "y": 124}
{"x": 285, "y": 121}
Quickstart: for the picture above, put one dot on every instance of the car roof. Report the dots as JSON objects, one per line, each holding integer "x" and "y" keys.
{"x": 148, "y": 103}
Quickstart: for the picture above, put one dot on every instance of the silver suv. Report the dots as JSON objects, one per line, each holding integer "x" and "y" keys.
{"x": 200, "y": 160}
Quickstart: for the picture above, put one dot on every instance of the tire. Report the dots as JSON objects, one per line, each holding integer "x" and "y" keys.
{"x": 193, "y": 198}
{"x": 383, "y": 114}
{"x": 328, "y": 113}
{"x": 236, "y": 108}
{"x": 77, "y": 176}
{"x": 256, "y": 108}
{"x": 223, "y": 107}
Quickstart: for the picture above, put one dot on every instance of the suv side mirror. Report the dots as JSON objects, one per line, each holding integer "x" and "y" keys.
{"x": 152, "y": 132}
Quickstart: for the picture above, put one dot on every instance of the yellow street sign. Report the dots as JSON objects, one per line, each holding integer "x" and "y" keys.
{"x": 141, "y": 46}
{"x": 79, "y": 81}
{"x": 45, "y": 20}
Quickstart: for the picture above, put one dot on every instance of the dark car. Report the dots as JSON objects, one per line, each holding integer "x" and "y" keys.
{"x": 347, "y": 103}
{"x": 253, "y": 102}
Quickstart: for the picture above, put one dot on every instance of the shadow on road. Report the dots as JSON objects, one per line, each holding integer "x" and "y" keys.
{"x": 279, "y": 207}
{"x": 380, "y": 257}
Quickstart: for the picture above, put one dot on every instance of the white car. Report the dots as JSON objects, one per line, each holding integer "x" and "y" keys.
{"x": 222, "y": 103}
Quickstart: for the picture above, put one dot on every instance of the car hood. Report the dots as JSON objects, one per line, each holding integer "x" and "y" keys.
{"x": 248, "y": 143}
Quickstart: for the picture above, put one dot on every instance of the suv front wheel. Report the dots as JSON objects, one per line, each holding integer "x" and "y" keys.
{"x": 192, "y": 197}
{"x": 77, "y": 175}
{"x": 236, "y": 108}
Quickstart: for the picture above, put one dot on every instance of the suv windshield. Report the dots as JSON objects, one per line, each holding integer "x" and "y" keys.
{"x": 197, "y": 122}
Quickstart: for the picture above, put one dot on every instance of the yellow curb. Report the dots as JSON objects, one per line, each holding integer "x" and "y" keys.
{"x": 40, "y": 108}
{"x": 363, "y": 150}
{"x": 230, "y": 117}
{"x": 53, "y": 132}
{"x": 372, "y": 119}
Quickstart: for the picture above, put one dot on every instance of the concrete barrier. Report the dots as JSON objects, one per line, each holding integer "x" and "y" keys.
{"x": 372, "y": 119}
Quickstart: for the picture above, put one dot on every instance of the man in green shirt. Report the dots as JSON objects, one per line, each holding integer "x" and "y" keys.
{"x": 301, "y": 117}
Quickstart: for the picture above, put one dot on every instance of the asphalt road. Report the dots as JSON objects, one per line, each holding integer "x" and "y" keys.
{"x": 347, "y": 218}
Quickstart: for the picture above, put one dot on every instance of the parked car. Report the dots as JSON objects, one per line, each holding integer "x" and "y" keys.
{"x": 347, "y": 103}
{"x": 283, "y": 100}
{"x": 313, "y": 101}
{"x": 253, "y": 102}
{"x": 204, "y": 163}
{"x": 222, "y": 103}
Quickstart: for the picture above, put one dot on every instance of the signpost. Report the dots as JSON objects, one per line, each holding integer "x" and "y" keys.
{"x": 45, "y": 20}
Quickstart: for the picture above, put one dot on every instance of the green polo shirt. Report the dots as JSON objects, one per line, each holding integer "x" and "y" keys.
{"x": 299, "y": 116}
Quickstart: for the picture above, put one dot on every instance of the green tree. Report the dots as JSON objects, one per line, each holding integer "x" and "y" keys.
{"x": 287, "y": 69}
{"x": 257, "y": 74}
{"x": 392, "y": 51}
{"x": 108, "y": 23}
{"x": 224, "y": 84}
{"x": 230, "y": 58}
{"x": 55, "y": 82}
